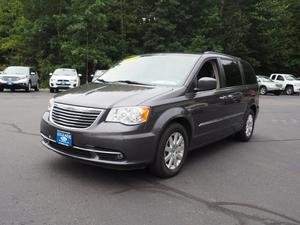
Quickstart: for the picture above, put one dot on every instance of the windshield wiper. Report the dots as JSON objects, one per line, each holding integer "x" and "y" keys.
{"x": 130, "y": 82}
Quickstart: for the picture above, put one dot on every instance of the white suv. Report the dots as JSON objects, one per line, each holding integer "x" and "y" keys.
{"x": 64, "y": 78}
{"x": 289, "y": 82}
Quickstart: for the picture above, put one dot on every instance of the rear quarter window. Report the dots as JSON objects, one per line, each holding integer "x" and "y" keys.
{"x": 249, "y": 73}
{"x": 232, "y": 73}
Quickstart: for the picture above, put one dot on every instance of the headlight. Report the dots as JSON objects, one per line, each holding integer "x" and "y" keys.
{"x": 74, "y": 80}
{"x": 129, "y": 115}
{"x": 51, "y": 102}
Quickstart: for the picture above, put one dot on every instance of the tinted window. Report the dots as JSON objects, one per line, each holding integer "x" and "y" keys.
{"x": 273, "y": 77}
{"x": 280, "y": 78}
{"x": 232, "y": 72}
{"x": 248, "y": 73}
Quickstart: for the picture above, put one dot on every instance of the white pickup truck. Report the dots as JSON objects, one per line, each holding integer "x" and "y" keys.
{"x": 289, "y": 82}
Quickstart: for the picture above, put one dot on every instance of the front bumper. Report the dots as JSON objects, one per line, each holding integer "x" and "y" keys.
{"x": 297, "y": 89}
{"x": 67, "y": 85}
{"x": 13, "y": 85}
{"x": 116, "y": 149}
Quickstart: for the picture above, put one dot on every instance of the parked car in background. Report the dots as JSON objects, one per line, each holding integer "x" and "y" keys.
{"x": 150, "y": 110}
{"x": 19, "y": 77}
{"x": 97, "y": 74}
{"x": 64, "y": 78}
{"x": 266, "y": 85}
{"x": 289, "y": 82}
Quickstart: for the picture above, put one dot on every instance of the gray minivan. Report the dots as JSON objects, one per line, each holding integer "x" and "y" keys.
{"x": 150, "y": 110}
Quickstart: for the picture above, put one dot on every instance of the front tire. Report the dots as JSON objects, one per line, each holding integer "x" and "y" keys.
{"x": 289, "y": 90}
{"x": 37, "y": 87}
{"x": 28, "y": 88}
{"x": 172, "y": 151}
{"x": 246, "y": 133}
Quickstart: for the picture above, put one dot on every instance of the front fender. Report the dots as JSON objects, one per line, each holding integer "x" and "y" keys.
{"x": 170, "y": 115}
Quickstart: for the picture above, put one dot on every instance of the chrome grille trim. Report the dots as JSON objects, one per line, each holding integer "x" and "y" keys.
{"x": 7, "y": 78}
{"x": 74, "y": 117}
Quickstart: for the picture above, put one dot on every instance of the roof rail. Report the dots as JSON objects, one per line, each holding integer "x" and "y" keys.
{"x": 218, "y": 53}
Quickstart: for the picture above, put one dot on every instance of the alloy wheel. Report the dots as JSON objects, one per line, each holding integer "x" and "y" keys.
{"x": 249, "y": 125}
{"x": 263, "y": 91}
{"x": 174, "y": 151}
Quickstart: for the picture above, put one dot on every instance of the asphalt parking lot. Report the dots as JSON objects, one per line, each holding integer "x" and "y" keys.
{"x": 224, "y": 183}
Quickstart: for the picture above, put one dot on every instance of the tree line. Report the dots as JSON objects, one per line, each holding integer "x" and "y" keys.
{"x": 94, "y": 34}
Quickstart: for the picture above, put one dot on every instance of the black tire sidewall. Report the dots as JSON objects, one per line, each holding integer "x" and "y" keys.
{"x": 291, "y": 88}
{"x": 37, "y": 88}
{"x": 247, "y": 138}
{"x": 159, "y": 167}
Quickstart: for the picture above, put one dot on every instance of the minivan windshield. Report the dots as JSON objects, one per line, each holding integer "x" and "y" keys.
{"x": 65, "y": 72}
{"x": 164, "y": 70}
{"x": 16, "y": 70}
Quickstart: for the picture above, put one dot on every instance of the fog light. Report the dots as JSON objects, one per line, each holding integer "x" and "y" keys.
{"x": 120, "y": 156}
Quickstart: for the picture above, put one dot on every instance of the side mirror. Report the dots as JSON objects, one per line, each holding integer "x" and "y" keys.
{"x": 79, "y": 75}
{"x": 50, "y": 74}
{"x": 206, "y": 84}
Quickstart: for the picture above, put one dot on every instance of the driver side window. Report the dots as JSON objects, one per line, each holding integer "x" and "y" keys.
{"x": 210, "y": 70}
{"x": 280, "y": 78}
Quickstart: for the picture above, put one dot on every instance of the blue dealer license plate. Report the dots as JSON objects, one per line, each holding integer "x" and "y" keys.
{"x": 64, "y": 138}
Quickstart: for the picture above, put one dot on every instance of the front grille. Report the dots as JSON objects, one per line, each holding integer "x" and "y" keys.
{"x": 63, "y": 82}
{"x": 10, "y": 78}
{"x": 74, "y": 116}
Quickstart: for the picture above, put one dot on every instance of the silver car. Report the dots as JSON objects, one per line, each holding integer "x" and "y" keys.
{"x": 266, "y": 85}
{"x": 19, "y": 77}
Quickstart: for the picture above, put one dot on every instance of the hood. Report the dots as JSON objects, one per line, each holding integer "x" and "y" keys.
{"x": 110, "y": 95}
{"x": 20, "y": 76}
{"x": 63, "y": 77}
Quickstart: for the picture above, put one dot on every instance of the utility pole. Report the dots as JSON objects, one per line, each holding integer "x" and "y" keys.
{"x": 122, "y": 25}
{"x": 87, "y": 56}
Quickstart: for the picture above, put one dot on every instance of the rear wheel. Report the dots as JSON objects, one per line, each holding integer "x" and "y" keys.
{"x": 1, "y": 89}
{"x": 263, "y": 90}
{"x": 246, "y": 133}
{"x": 171, "y": 152}
{"x": 289, "y": 90}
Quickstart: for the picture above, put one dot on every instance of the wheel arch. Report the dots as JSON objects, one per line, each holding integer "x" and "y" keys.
{"x": 174, "y": 115}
